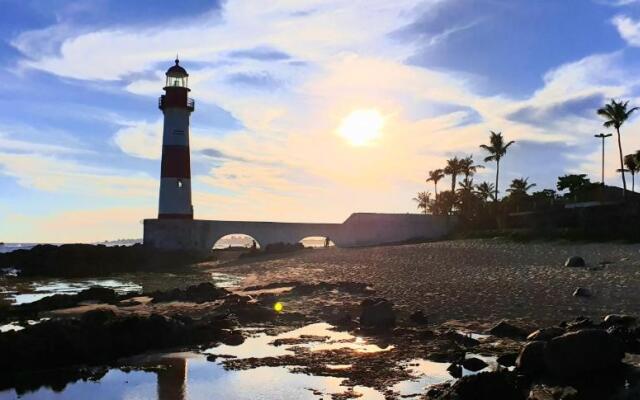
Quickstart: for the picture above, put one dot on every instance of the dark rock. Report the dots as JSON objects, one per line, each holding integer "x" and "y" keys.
{"x": 582, "y": 292}
{"x": 575, "y": 261}
{"x": 418, "y": 317}
{"x": 585, "y": 351}
{"x": 628, "y": 336}
{"x": 579, "y": 324}
{"x": 98, "y": 337}
{"x": 474, "y": 364}
{"x": 455, "y": 370}
{"x": 377, "y": 313}
{"x": 507, "y": 360}
{"x": 531, "y": 359}
{"x": 501, "y": 385}
{"x": 461, "y": 339}
{"x": 619, "y": 320}
{"x": 201, "y": 293}
{"x": 546, "y": 334}
{"x": 543, "y": 392}
{"x": 505, "y": 329}
{"x": 70, "y": 260}
{"x": 233, "y": 338}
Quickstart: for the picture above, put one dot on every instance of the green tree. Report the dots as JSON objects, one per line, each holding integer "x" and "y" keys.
{"x": 497, "y": 149}
{"x": 422, "y": 199}
{"x": 435, "y": 176}
{"x": 486, "y": 191}
{"x": 615, "y": 114}
{"x": 632, "y": 165}
{"x": 574, "y": 184}
{"x": 468, "y": 168}
{"x": 454, "y": 168}
{"x": 520, "y": 187}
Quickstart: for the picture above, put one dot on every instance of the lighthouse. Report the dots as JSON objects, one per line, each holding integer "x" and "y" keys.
{"x": 175, "y": 174}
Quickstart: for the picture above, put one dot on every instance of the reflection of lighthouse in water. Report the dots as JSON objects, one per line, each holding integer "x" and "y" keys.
{"x": 172, "y": 379}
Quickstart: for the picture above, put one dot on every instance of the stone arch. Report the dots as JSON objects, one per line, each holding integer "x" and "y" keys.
{"x": 235, "y": 240}
{"x": 316, "y": 241}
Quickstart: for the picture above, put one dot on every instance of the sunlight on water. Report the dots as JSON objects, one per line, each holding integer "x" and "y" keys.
{"x": 40, "y": 290}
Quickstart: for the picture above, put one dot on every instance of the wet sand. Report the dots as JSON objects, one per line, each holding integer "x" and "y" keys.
{"x": 480, "y": 280}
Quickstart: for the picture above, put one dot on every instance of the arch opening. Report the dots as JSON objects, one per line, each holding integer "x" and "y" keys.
{"x": 317, "y": 242}
{"x": 236, "y": 241}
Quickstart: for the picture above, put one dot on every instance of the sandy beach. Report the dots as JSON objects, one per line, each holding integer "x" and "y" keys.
{"x": 479, "y": 280}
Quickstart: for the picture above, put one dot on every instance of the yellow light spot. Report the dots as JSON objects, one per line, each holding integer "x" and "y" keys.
{"x": 362, "y": 127}
{"x": 278, "y": 307}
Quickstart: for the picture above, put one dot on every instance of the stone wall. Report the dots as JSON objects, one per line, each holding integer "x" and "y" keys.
{"x": 360, "y": 229}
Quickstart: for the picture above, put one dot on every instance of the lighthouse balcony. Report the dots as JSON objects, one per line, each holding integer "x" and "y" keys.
{"x": 164, "y": 102}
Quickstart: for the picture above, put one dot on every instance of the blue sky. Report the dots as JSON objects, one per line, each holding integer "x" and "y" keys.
{"x": 274, "y": 82}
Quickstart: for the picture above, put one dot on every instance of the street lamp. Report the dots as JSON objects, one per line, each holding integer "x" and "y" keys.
{"x": 603, "y": 136}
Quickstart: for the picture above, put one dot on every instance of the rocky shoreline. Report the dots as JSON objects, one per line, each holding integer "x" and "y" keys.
{"x": 578, "y": 359}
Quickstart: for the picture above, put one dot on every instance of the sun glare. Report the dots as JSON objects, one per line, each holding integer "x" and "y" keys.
{"x": 362, "y": 127}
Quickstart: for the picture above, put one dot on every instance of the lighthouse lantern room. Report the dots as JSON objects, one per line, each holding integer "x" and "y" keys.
{"x": 175, "y": 182}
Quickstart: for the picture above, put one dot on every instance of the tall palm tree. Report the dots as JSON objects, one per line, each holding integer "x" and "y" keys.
{"x": 485, "y": 191}
{"x": 633, "y": 165}
{"x": 423, "y": 201}
{"x": 454, "y": 168}
{"x": 520, "y": 186}
{"x": 435, "y": 176}
{"x": 496, "y": 149}
{"x": 615, "y": 113}
{"x": 468, "y": 168}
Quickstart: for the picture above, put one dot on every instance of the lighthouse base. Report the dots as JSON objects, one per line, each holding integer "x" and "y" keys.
{"x": 360, "y": 229}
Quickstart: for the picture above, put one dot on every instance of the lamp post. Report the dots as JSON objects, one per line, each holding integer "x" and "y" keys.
{"x": 603, "y": 136}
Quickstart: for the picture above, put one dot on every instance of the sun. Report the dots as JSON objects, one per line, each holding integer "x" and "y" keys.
{"x": 362, "y": 127}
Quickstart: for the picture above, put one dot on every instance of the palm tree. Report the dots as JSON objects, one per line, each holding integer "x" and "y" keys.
{"x": 423, "y": 201}
{"x": 633, "y": 165}
{"x": 497, "y": 149}
{"x": 468, "y": 168}
{"x": 435, "y": 176}
{"x": 454, "y": 168}
{"x": 485, "y": 190}
{"x": 520, "y": 186}
{"x": 616, "y": 114}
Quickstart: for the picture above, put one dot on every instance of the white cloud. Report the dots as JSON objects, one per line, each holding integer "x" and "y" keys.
{"x": 628, "y": 28}
{"x": 288, "y": 163}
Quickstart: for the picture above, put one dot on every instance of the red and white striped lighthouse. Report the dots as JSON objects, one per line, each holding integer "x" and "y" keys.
{"x": 175, "y": 182}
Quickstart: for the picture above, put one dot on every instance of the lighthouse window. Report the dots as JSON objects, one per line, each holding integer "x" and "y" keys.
{"x": 180, "y": 183}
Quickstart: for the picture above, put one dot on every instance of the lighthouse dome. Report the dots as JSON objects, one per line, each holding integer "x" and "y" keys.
{"x": 177, "y": 71}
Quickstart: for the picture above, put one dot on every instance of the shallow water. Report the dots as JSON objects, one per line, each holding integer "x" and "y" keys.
{"x": 191, "y": 376}
{"x": 40, "y": 289}
{"x": 19, "y": 290}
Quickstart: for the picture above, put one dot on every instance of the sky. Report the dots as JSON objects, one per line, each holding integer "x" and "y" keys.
{"x": 279, "y": 86}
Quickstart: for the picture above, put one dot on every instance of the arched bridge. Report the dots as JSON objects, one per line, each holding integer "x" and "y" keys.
{"x": 360, "y": 229}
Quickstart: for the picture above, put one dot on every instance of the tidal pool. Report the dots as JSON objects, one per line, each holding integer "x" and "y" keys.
{"x": 179, "y": 376}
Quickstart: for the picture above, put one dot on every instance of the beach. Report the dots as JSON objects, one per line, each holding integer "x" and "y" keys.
{"x": 482, "y": 280}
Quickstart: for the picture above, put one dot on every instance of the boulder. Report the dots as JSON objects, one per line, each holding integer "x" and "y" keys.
{"x": 575, "y": 261}
{"x": 505, "y": 329}
{"x": 582, "y": 292}
{"x": 377, "y": 313}
{"x": 507, "y": 360}
{"x": 474, "y": 364}
{"x": 501, "y": 385}
{"x": 585, "y": 351}
{"x": 546, "y": 334}
{"x": 543, "y": 392}
{"x": 455, "y": 370}
{"x": 619, "y": 320}
{"x": 418, "y": 318}
{"x": 531, "y": 359}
